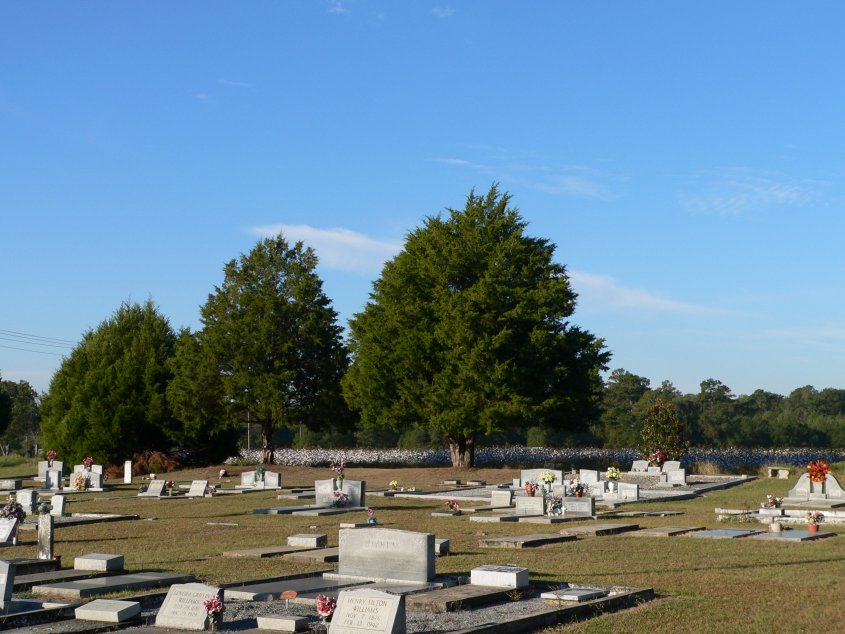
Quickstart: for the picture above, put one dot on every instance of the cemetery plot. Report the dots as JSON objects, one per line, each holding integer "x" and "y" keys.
{"x": 794, "y": 536}
{"x": 321, "y": 556}
{"x": 108, "y": 611}
{"x": 264, "y": 551}
{"x": 725, "y": 533}
{"x": 600, "y": 530}
{"x": 665, "y": 531}
{"x": 107, "y": 585}
{"x": 525, "y": 541}
{"x": 271, "y": 590}
{"x": 455, "y": 598}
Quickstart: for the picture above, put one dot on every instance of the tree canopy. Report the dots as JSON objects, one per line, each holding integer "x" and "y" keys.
{"x": 269, "y": 351}
{"x": 107, "y": 399}
{"x": 466, "y": 331}
{"x": 22, "y": 426}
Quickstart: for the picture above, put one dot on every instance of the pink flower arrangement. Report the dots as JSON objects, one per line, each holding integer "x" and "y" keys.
{"x": 52, "y": 454}
{"x": 453, "y": 505}
{"x": 214, "y": 606}
{"x": 87, "y": 462}
{"x": 326, "y": 606}
{"x": 223, "y": 473}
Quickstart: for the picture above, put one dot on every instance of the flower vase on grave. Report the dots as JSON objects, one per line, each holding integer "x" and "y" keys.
{"x": 775, "y": 527}
{"x": 611, "y": 486}
{"x": 812, "y": 529}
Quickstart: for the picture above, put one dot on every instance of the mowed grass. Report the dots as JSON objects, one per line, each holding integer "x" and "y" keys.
{"x": 703, "y": 585}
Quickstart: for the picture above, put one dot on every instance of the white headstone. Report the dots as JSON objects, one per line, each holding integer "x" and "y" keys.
{"x": 627, "y": 491}
{"x": 533, "y": 475}
{"x": 45, "y": 536}
{"x": 671, "y": 465}
{"x": 526, "y": 505}
{"x": 53, "y": 480}
{"x": 355, "y": 490}
{"x": 386, "y": 554}
{"x": 272, "y": 480}
{"x": 127, "y": 472}
{"x": 8, "y": 527}
{"x": 361, "y": 611}
{"x": 57, "y": 505}
{"x": 108, "y": 611}
{"x": 155, "y": 489}
{"x": 28, "y": 499}
{"x": 183, "y": 607}
{"x": 197, "y": 489}
{"x": 501, "y": 498}
{"x": 323, "y": 490}
{"x": 677, "y": 476}
{"x": 588, "y": 476}
{"x": 248, "y": 479}
{"x": 640, "y": 465}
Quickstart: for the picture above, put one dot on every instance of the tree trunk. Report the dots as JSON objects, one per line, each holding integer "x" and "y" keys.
{"x": 268, "y": 451}
{"x": 462, "y": 448}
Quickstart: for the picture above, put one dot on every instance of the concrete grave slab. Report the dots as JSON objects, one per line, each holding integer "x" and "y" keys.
{"x": 525, "y": 541}
{"x": 108, "y": 585}
{"x": 308, "y": 540}
{"x": 494, "y": 518}
{"x": 98, "y": 562}
{"x": 323, "y": 555}
{"x": 108, "y": 611}
{"x": 284, "y": 623}
{"x": 270, "y": 590}
{"x": 575, "y": 594}
{"x": 263, "y": 552}
{"x": 725, "y": 533}
{"x": 336, "y": 510}
{"x": 794, "y": 536}
{"x": 499, "y": 576}
{"x": 665, "y": 531}
{"x": 455, "y": 598}
{"x": 600, "y": 530}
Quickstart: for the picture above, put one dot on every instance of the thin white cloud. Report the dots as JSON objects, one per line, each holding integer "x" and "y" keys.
{"x": 233, "y": 84}
{"x": 601, "y": 292}
{"x": 461, "y": 163}
{"x": 443, "y": 12}
{"x": 578, "y": 186}
{"x": 739, "y": 192}
{"x": 335, "y": 6}
{"x": 339, "y": 249}
{"x": 202, "y": 96}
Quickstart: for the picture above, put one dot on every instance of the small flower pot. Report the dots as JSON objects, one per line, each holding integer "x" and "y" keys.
{"x": 812, "y": 529}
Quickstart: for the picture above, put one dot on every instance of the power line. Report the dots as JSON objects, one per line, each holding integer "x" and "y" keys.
{"x": 55, "y": 354}
{"x": 35, "y": 343}
{"x": 37, "y": 337}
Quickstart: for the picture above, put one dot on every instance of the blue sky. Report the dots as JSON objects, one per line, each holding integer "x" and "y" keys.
{"x": 686, "y": 159}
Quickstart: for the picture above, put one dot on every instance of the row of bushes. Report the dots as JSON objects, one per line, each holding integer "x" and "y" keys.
{"x": 727, "y": 460}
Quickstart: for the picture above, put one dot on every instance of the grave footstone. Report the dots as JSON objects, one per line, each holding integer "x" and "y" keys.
{"x": 575, "y": 594}
{"x": 108, "y": 611}
{"x": 364, "y": 610}
{"x": 386, "y": 554}
{"x": 308, "y": 540}
{"x": 499, "y": 576}
{"x": 10, "y": 484}
{"x": 7, "y": 582}
{"x": 45, "y": 536}
{"x": 183, "y": 607}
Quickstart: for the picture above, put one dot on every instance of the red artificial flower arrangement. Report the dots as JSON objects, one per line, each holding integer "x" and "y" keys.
{"x": 818, "y": 470}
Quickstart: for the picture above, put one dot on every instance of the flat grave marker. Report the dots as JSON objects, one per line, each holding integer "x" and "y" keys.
{"x": 499, "y": 576}
{"x": 665, "y": 531}
{"x": 575, "y": 594}
{"x": 725, "y": 533}
{"x": 600, "y": 530}
{"x": 108, "y": 611}
{"x": 525, "y": 541}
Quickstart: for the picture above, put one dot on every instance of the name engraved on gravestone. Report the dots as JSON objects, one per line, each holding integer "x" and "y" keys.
{"x": 627, "y": 491}
{"x": 386, "y": 553}
{"x": 323, "y": 490}
{"x": 197, "y": 489}
{"x": 529, "y": 506}
{"x": 183, "y": 606}
{"x": 369, "y": 611}
{"x": 501, "y": 498}
{"x": 155, "y": 489}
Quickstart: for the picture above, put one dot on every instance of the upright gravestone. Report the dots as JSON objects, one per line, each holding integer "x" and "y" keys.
{"x": 671, "y": 465}
{"x": 10, "y": 484}
{"x": 627, "y": 491}
{"x": 28, "y": 499}
{"x": 248, "y": 479}
{"x": 45, "y": 465}
{"x": 501, "y": 498}
{"x": 529, "y": 506}
{"x": 588, "y": 476}
{"x": 45, "y": 536}
{"x": 198, "y": 488}
{"x": 323, "y": 492}
{"x": 386, "y": 554}
{"x": 154, "y": 490}
{"x": 95, "y": 481}
{"x": 272, "y": 480}
{"x": 677, "y": 477}
{"x": 7, "y": 582}
{"x": 639, "y": 465}
{"x": 533, "y": 475}
{"x": 53, "y": 480}
{"x": 364, "y": 610}
{"x": 127, "y": 472}
{"x": 57, "y": 505}
{"x": 183, "y": 607}
{"x": 355, "y": 490}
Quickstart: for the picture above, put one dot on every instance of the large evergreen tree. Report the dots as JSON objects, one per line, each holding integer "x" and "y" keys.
{"x": 466, "y": 331}
{"x": 270, "y": 349}
{"x": 107, "y": 399}
{"x": 21, "y": 434}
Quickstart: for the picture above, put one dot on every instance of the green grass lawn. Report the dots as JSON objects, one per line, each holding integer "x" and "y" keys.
{"x": 703, "y": 585}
